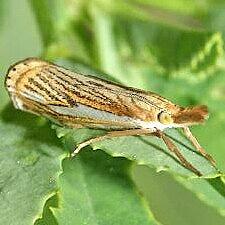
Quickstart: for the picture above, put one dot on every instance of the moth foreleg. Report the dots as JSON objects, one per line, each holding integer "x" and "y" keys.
{"x": 194, "y": 141}
{"x": 111, "y": 134}
{"x": 173, "y": 148}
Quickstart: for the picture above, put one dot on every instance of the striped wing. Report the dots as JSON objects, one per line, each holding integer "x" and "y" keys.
{"x": 76, "y": 99}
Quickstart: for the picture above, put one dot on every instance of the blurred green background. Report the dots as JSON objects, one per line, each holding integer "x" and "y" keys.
{"x": 187, "y": 73}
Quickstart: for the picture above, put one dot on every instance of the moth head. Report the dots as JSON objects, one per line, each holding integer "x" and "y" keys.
{"x": 191, "y": 115}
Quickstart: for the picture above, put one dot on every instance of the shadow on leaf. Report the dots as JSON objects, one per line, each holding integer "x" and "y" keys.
{"x": 35, "y": 127}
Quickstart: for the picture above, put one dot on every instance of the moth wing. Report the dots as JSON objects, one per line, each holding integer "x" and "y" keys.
{"x": 90, "y": 117}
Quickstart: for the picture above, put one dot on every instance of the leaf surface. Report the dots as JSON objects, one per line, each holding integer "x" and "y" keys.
{"x": 29, "y": 163}
{"x": 95, "y": 189}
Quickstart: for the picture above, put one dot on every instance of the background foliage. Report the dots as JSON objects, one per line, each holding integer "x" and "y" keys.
{"x": 174, "y": 48}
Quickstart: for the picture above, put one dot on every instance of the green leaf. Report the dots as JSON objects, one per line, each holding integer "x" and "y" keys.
{"x": 171, "y": 200}
{"x": 192, "y": 51}
{"x": 144, "y": 36}
{"x": 103, "y": 34}
{"x": 190, "y": 54}
{"x": 96, "y": 189}
{"x": 47, "y": 215}
{"x": 30, "y": 157}
{"x": 211, "y": 191}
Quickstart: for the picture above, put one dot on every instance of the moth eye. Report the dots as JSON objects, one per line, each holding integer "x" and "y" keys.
{"x": 165, "y": 118}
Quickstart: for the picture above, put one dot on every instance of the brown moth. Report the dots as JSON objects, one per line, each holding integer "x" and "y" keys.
{"x": 76, "y": 100}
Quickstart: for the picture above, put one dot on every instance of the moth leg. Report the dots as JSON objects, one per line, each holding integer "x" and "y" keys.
{"x": 111, "y": 134}
{"x": 173, "y": 148}
{"x": 194, "y": 141}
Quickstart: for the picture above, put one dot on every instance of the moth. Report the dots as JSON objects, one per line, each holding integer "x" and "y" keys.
{"x": 78, "y": 100}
